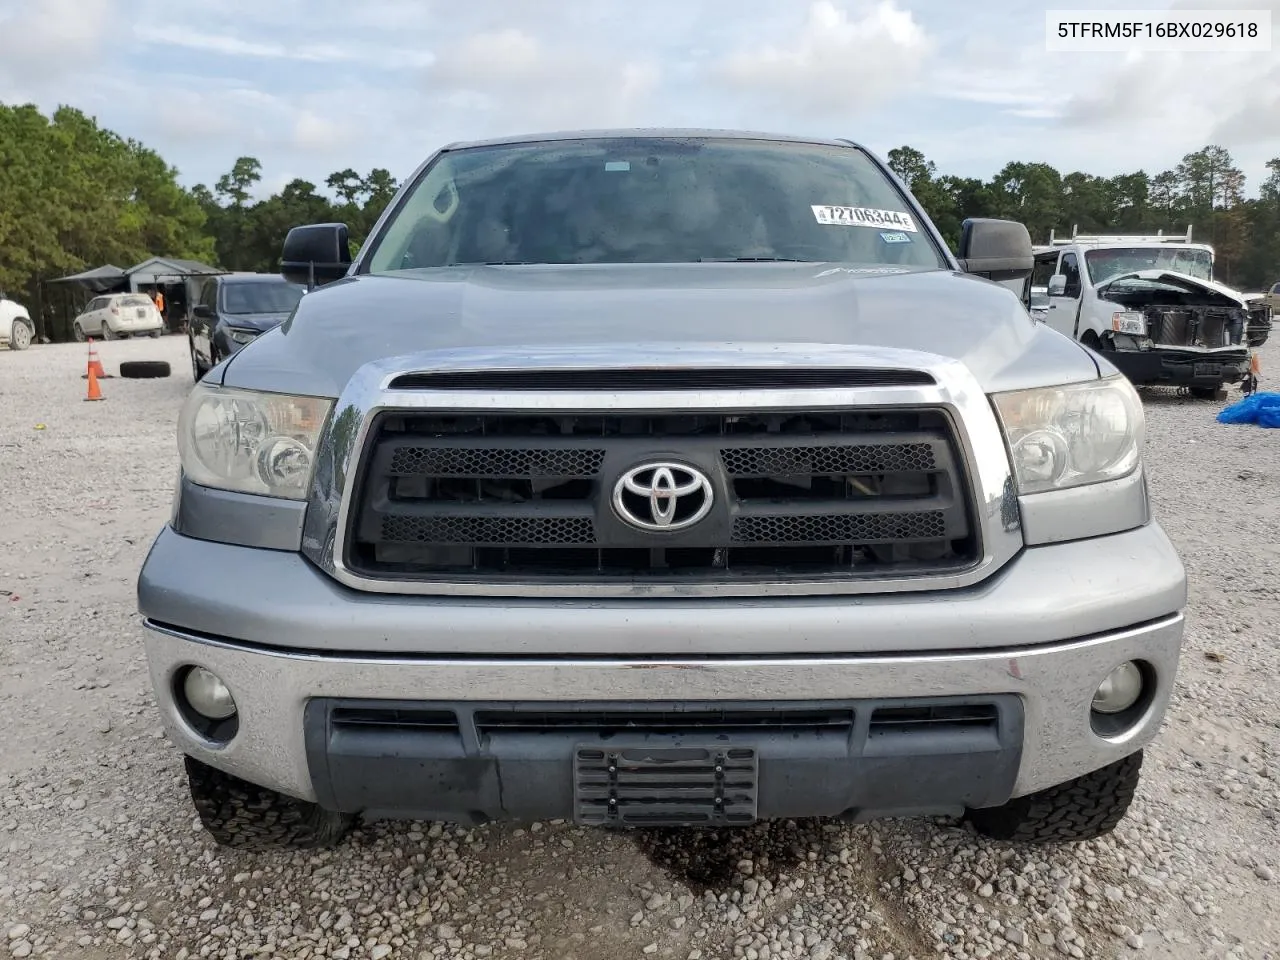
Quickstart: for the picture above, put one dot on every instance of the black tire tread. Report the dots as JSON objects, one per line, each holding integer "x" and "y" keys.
{"x": 245, "y": 816}
{"x": 144, "y": 369}
{"x": 1082, "y": 809}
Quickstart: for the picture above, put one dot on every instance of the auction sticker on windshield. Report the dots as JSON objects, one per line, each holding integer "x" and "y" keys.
{"x": 864, "y": 217}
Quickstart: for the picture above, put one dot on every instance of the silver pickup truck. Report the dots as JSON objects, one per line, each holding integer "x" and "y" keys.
{"x": 677, "y": 478}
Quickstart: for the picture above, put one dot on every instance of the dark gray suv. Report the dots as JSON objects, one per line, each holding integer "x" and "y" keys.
{"x": 234, "y": 309}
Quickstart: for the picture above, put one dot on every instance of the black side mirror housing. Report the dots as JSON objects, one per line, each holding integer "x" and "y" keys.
{"x": 202, "y": 311}
{"x": 316, "y": 254}
{"x": 995, "y": 249}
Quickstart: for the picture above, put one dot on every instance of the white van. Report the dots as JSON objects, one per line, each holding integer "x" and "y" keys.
{"x": 1151, "y": 305}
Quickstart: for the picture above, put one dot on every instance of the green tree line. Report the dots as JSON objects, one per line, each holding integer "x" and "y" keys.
{"x": 1205, "y": 190}
{"x": 74, "y": 195}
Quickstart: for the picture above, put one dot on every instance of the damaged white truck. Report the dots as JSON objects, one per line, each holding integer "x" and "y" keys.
{"x": 1151, "y": 306}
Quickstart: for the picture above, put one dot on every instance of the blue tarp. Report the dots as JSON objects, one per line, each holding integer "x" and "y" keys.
{"x": 1262, "y": 409}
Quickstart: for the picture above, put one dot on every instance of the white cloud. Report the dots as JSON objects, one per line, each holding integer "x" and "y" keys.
{"x": 1109, "y": 113}
{"x": 43, "y": 40}
{"x": 835, "y": 64}
{"x": 512, "y": 77}
{"x": 311, "y": 131}
{"x": 310, "y": 86}
{"x": 232, "y": 46}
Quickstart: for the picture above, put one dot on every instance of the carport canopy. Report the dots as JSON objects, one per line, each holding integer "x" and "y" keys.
{"x": 99, "y": 279}
{"x": 168, "y": 270}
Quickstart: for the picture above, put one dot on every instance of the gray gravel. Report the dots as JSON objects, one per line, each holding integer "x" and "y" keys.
{"x": 100, "y": 855}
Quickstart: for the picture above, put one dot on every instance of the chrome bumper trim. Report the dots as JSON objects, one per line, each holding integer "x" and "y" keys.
{"x": 1056, "y": 683}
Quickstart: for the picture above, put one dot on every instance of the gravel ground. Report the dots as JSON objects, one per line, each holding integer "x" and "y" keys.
{"x": 100, "y": 855}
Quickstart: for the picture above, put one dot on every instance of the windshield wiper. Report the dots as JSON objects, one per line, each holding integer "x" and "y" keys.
{"x": 757, "y": 260}
{"x": 530, "y": 263}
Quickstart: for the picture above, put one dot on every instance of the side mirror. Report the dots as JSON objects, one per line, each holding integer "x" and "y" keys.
{"x": 996, "y": 249}
{"x": 1057, "y": 284}
{"x": 316, "y": 254}
{"x": 202, "y": 311}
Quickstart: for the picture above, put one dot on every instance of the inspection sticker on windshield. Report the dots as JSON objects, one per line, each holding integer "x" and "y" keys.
{"x": 864, "y": 217}
{"x": 895, "y": 238}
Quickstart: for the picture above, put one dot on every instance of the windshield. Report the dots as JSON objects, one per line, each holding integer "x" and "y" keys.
{"x": 260, "y": 297}
{"x": 660, "y": 200}
{"x": 134, "y": 301}
{"x": 1105, "y": 264}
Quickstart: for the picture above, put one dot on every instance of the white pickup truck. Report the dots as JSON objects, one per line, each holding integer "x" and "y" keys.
{"x": 16, "y": 329}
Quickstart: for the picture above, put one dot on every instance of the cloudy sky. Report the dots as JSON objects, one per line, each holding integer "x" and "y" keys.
{"x": 310, "y": 86}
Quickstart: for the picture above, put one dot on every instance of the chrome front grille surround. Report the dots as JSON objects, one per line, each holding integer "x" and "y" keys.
{"x": 897, "y": 481}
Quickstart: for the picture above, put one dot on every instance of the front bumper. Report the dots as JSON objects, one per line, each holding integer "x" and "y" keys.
{"x": 1182, "y": 366}
{"x": 288, "y": 739}
{"x": 301, "y": 653}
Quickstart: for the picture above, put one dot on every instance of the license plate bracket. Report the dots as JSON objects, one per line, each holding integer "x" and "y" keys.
{"x": 669, "y": 785}
{"x": 1207, "y": 370}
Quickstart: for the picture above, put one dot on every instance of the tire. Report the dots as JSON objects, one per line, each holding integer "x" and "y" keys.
{"x": 240, "y": 814}
{"x": 144, "y": 369}
{"x": 20, "y": 335}
{"x": 77, "y": 332}
{"x": 106, "y": 331}
{"x": 1082, "y": 809}
{"x": 154, "y": 335}
{"x": 1204, "y": 393}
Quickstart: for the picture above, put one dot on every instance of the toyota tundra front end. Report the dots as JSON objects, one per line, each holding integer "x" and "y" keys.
{"x": 661, "y": 478}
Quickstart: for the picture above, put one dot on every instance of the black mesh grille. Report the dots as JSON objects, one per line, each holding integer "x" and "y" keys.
{"x": 793, "y": 461}
{"x": 488, "y": 531}
{"x": 864, "y": 528}
{"x": 494, "y": 462}
{"x": 493, "y": 497}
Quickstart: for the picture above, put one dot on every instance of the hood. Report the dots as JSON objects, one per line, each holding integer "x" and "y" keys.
{"x": 613, "y": 314}
{"x": 254, "y": 321}
{"x": 1183, "y": 280}
{"x": 11, "y": 310}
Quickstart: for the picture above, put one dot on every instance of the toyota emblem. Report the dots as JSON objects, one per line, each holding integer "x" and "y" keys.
{"x": 662, "y": 496}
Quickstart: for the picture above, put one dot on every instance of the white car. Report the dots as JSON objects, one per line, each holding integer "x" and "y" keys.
{"x": 16, "y": 328}
{"x": 118, "y": 315}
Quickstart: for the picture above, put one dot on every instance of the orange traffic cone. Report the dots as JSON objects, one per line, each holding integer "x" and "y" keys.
{"x": 95, "y": 364}
{"x": 95, "y": 391}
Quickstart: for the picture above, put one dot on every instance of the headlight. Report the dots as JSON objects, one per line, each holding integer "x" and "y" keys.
{"x": 1129, "y": 321}
{"x": 240, "y": 335}
{"x": 250, "y": 442}
{"x": 1072, "y": 435}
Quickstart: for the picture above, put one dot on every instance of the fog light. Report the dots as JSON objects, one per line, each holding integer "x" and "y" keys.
{"x": 1120, "y": 690}
{"x": 208, "y": 695}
